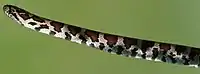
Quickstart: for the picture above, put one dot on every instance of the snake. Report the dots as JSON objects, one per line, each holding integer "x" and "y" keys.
{"x": 110, "y": 43}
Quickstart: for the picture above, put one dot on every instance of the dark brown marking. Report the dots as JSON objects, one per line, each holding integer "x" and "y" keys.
{"x": 68, "y": 37}
{"x": 32, "y": 23}
{"x": 194, "y": 52}
{"x": 42, "y": 27}
{"x": 22, "y": 13}
{"x": 111, "y": 39}
{"x": 38, "y": 19}
{"x": 165, "y": 46}
{"x": 93, "y": 35}
{"x": 129, "y": 41}
{"x": 19, "y": 10}
{"x": 57, "y": 25}
{"x": 180, "y": 49}
{"x": 146, "y": 44}
{"x": 74, "y": 30}
{"x": 25, "y": 16}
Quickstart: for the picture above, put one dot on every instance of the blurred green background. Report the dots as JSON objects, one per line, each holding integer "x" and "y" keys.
{"x": 23, "y": 51}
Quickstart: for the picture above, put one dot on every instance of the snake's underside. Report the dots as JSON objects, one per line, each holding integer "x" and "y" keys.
{"x": 114, "y": 44}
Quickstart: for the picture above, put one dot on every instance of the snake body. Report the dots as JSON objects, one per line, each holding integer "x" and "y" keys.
{"x": 114, "y": 44}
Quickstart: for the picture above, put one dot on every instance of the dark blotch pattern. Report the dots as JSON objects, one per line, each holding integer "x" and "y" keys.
{"x": 93, "y": 35}
{"x": 109, "y": 50}
{"x": 110, "y": 45}
{"x": 155, "y": 53}
{"x": 172, "y": 59}
{"x": 15, "y": 16}
{"x": 38, "y": 19}
{"x": 165, "y": 46}
{"x": 57, "y": 25}
{"x": 129, "y": 41}
{"x": 101, "y": 46}
{"x": 133, "y": 52}
{"x": 92, "y": 45}
{"x": 144, "y": 56}
{"x": 118, "y": 50}
{"x": 37, "y": 28}
{"x": 180, "y": 49}
{"x": 41, "y": 27}
{"x": 32, "y": 23}
{"x": 82, "y": 38}
{"x": 126, "y": 52}
{"x": 163, "y": 59}
{"x": 52, "y": 33}
{"x": 22, "y": 13}
{"x": 68, "y": 37}
{"x": 186, "y": 61}
{"x": 44, "y": 26}
{"x": 194, "y": 52}
{"x": 25, "y": 16}
{"x": 145, "y": 46}
{"x": 11, "y": 11}
{"x": 74, "y": 30}
{"x": 111, "y": 39}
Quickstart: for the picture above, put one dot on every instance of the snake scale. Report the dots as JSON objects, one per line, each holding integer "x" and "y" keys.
{"x": 114, "y": 44}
